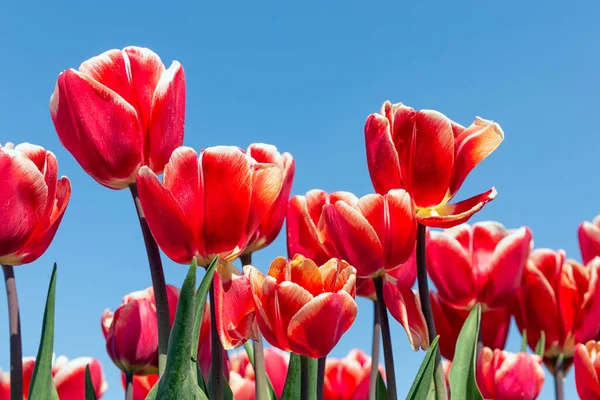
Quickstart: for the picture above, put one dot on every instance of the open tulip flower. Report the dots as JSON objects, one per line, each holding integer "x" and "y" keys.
{"x": 430, "y": 156}
{"x": 348, "y": 378}
{"x": 482, "y": 263}
{"x": 505, "y": 376}
{"x": 33, "y": 201}
{"x": 273, "y": 221}
{"x": 587, "y": 370}
{"x": 210, "y": 205}
{"x": 304, "y": 308}
{"x": 241, "y": 377}
{"x": 131, "y": 332}
{"x": 119, "y": 111}
{"x": 560, "y": 298}
{"x": 589, "y": 239}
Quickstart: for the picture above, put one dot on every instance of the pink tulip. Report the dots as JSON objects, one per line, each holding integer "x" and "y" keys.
{"x": 348, "y": 378}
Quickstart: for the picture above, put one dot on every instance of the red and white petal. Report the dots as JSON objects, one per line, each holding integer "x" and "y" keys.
{"x": 450, "y": 215}
{"x": 166, "y": 220}
{"x": 448, "y": 322}
{"x": 112, "y": 70}
{"x": 586, "y": 375}
{"x": 485, "y": 237}
{"x": 382, "y": 158}
{"x": 519, "y": 375}
{"x": 405, "y": 307}
{"x": 167, "y": 117}
{"x": 70, "y": 380}
{"x": 300, "y": 270}
{"x": 589, "y": 240}
{"x": 318, "y": 326}
{"x": 549, "y": 263}
{"x": 406, "y": 273}
{"x": 110, "y": 150}
{"x": 450, "y": 269}
{"x": 402, "y": 228}
{"x": 302, "y": 232}
{"x": 473, "y": 145}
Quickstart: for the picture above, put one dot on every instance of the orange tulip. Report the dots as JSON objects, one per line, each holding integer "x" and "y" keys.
{"x": 119, "y": 111}
{"x": 430, "y": 156}
{"x": 587, "y": 370}
{"x": 348, "y": 378}
{"x": 33, "y": 202}
{"x": 208, "y": 206}
{"x": 304, "y": 308}
{"x": 589, "y": 239}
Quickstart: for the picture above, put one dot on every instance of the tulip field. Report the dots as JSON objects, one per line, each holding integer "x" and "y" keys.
{"x": 272, "y": 278}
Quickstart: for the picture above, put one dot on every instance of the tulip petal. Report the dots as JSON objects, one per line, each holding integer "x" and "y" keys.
{"x": 448, "y": 321}
{"x": 70, "y": 380}
{"x": 519, "y": 376}
{"x": 165, "y": 218}
{"x": 405, "y": 307}
{"x": 588, "y": 312}
{"x": 450, "y": 269}
{"x": 589, "y": 240}
{"x": 485, "y": 373}
{"x": 302, "y": 231}
{"x": 402, "y": 235}
{"x": 112, "y": 70}
{"x": 318, "y": 326}
{"x": 473, "y": 145}
{"x": 494, "y": 327}
{"x": 382, "y": 158}
{"x": 450, "y": 215}
{"x": 300, "y": 270}
{"x": 167, "y": 117}
{"x": 586, "y": 377}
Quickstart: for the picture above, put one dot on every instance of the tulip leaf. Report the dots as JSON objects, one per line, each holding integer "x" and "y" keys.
{"x": 462, "y": 373}
{"x": 540, "y": 348}
{"x": 313, "y": 370}
{"x": 90, "y": 392}
{"x": 201, "y": 381}
{"x": 201, "y": 294}
{"x": 42, "y": 385}
{"x": 250, "y": 351}
{"x": 291, "y": 389}
{"x": 422, "y": 383}
{"x": 524, "y": 340}
{"x": 381, "y": 390}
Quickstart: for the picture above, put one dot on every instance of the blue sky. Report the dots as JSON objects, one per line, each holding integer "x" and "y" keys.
{"x": 304, "y": 76}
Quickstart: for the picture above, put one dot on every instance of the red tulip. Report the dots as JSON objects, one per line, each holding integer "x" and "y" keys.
{"x": 121, "y": 110}
{"x": 273, "y": 221}
{"x": 589, "y": 239}
{"x": 560, "y": 298}
{"x": 430, "y": 156}
{"x": 70, "y": 379}
{"x": 208, "y": 206}
{"x": 348, "y": 378}
{"x": 132, "y": 334}
{"x": 28, "y": 365}
{"x": 304, "y": 308}
{"x": 241, "y": 378}
{"x": 4, "y": 385}
{"x": 506, "y": 376}
{"x": 587, "y": 370}
{"x": 375, "y": 234}
{"x": 142, "y": 384}
{"x": 33, "y": 202}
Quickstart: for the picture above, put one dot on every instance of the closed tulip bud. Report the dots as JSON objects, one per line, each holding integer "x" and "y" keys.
{"x": 348, "y": 378}
{"x": 502, "y": 375}
{"x": 119, "y": 111}
{"x": 560, "y": 298}
{"x": 302, "y": 307}
{"x": 430, "y": 156}
{"x": 142, "y": 384}
{"x": 589, "y": 239}
{"x": 210, "y": 205}
{"x": 33, "y": 202}
{"x": 587, "y": 370}
{"x": 241, "y": 377}
{"x": 273, "y": 221}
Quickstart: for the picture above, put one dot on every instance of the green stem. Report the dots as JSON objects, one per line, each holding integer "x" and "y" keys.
{"x": 390, "y": 371}
{"x": 158, "y": 283}
{"x": 14, "y": 327}
{"x": 376, "y": 344}
{"x": 216, "y": 378}
{"x": 260, "y": 373}
{"x": 128, "y": 386}
{"x": 304, "y": 378}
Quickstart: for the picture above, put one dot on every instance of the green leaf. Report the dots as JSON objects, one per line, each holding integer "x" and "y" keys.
{"x": 313, "y": 370}
{"x": 381, "y": 390}
{"x": 42, "y": 385}
{"x": 250, "y": 351}
{"x": 291, "y": 389}
{"x": 179, "y": 380}
{"x": 201, "y": 294}
{"x": 524, "y": 340}
{"x": 90, "y": 393}
{"x": 200, "y": 378}
{"x": 422, "y": 383}
{"x": 462, "y": 373}
{"x": 540, "y": 348}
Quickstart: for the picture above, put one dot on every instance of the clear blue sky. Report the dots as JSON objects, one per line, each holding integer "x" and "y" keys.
{"x": 304, "y": 76}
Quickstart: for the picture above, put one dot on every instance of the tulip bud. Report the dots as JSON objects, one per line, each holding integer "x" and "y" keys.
{"x": 348, "y": 378}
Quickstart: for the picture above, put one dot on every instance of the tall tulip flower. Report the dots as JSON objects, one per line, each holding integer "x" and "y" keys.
{"x": 587, "y": 370}
{"x": 430, "y": 156}
{"x": 589, "y": 239}
{"x": 208, "y": 206}
{"x": 482, "y": 263}
{"x": 33, "y": 201}
{"x": 242, "y": 377}
{"x": 119, "y": 111}
{"x": 560, "y": 298}
{"x": 502, "y": 375}
{"x": 302, "y": 307}
{"x": 273, "y": 221}
{"x": 348, "y": 378}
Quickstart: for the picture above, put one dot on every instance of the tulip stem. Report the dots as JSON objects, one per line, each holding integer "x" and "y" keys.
{"x": 216, "y": 348}
{"x": 439, "y": 378}
{"x": 246, "y": 259}
{"x": 387, "y": 339}
{"x": 14, "y": 326}
{"x": 158, "y": 283}
{"x": 128, "y": 386}
{"x": 304, "y": 378}
{"x": 559, "y": 378}
{"x": 321, "y": 377}
{"x": 375, "y": 353}
{"x": 260, "y": 373}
